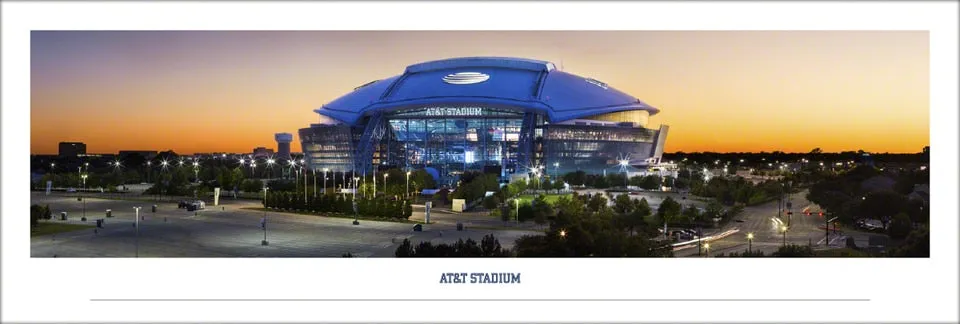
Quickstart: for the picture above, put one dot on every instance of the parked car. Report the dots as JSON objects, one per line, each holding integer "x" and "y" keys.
{"x": 418, "y": 228}
{"x": 195, "y": 205}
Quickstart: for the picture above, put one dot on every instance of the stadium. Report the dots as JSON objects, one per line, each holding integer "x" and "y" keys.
{"x": 508, "y": 116}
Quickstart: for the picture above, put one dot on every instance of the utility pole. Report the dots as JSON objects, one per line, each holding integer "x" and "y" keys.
{"x": 137, "y": 225}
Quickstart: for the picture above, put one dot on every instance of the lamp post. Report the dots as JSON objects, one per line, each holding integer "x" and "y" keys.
{"x": 407, "y": 195}
{"x": 624, "y": 164}
{"x": 270, "y": 167}
{"x": 196, "y": 171}
{"x": 783, "y": 229}
{"x": 314, "y": 182}
{"x": 556, "y": 169}
{"x": 355, "y": 179}
{"x": 750, "y": 242}
{"x": 137, "y": 225}
{"x": 706, "y": 247}
{"x": 84, "y": 200}
{"x": 385, "y": 185}
{"x": 264, "y": 222}
{"x": 304, "y": 183}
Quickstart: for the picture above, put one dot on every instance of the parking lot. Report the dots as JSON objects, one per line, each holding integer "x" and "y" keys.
{"x": 230, "y": 231}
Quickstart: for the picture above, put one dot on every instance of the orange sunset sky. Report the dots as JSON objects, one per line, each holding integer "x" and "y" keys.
{"x": 230, "y": 91}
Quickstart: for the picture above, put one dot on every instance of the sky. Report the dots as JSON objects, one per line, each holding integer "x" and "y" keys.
{"x": 719, "y": 91}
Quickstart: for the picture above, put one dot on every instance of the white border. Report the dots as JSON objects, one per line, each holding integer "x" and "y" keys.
{"x": 920, "y": 290}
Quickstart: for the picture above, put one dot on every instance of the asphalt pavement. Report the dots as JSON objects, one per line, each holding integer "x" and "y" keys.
{"x": 231, "y": 231}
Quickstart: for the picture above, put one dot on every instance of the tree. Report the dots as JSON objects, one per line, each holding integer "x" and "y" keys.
{"x": 491, "y": 202}
{"x": 900, "y": 226}
{"x": 407, "y": 209}
{"x": 882, "y": 205}
{"x": 557, "y": 185}
{"x": 622, "y": 204}
{"x": 638, "y": 216}
{"x": 669, "y": 209}
{"x": 597, "y": 202}
{"x": 794, "y": 251}
{"x": 541, "y": 210}
{"x": 713, "y": 210}
{"x": 577, "y": 178}
{"x": 917, "y": 244}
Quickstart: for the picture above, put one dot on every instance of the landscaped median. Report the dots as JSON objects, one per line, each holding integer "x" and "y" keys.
{"x": 335, "y": 215}
{"x": 50, "y": 227}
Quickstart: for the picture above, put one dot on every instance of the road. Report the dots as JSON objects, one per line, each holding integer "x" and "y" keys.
{"x": 763, "y": 222}
{"x": 230, "y": 231}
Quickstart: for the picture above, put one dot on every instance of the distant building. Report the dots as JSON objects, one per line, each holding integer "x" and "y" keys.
{"x": 262, "y": 152}
{"x": 72, "y": 149}
{"x": 283, "y": 145}
{"x": 147, "y": 155}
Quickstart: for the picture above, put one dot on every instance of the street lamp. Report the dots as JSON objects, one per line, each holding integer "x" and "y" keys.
{"x": 196, "y": 171}
{"x": 750, "y": 242}
{"x": 263, "y": 223}
{"x": 137, "y": 225}
{"x": 623, "y": 165}
{"x": 385, "y": 185}
{"x": 325, "y": 179}
{"x": 84, "y": 200}
{"x": 556, "y": 169}
{"x": 783, "y": 229}
{"x": 407, "y": 192}
{"x": 563, "y": 233}
{"x": 706, "y": 247}
{"x": 270, "y": 166}
{"x": 355, "y": 179}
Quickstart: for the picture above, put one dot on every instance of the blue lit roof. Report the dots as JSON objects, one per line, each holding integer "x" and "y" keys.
{"x": 485, "y": 81}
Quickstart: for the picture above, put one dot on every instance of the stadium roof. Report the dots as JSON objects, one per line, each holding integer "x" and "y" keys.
{"x": 485, "y": 81}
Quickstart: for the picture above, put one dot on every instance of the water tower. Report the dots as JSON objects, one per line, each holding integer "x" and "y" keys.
{"x": 283, "y": 145}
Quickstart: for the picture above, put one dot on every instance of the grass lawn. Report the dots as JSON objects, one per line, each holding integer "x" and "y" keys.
{"x": 551, "y": 198}
{"x": 378, "y": 219}
{"x": 47, "y": 228}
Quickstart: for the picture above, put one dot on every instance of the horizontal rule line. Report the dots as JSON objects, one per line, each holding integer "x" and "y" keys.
{"x": 462, "y": 300}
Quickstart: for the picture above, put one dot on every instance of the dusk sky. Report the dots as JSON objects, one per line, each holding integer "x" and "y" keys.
{"x": 718, "y": 91}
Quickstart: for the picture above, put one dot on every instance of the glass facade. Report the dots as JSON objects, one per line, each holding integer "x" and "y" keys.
{"x": 594, "y": 148}
{"x": 452, "y": 140}
{"x": 329, "y": 146}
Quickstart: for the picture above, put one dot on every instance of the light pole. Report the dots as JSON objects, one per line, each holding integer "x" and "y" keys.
{"x": 374, "y": 182}
{"x": 783, "y": 229}
{"x": 84, "y": 200}
{"x": 407, "y": 192}
{"x": 314, "y": 182}
{"x": 264, "y": 222}
{"x": 624, "y": 164}
{"x": 385, "y": 185}
{"x": 270, "y": 167}
{"x": 750, "y": 242}
{"x": 196, "y": 171}
{"x": 355, "y": 179}
{"x": 556, "y": 169}
{"x": 706, "y": 248}
{"x": 304, "y": 184}
{"x": 137, "y": 225}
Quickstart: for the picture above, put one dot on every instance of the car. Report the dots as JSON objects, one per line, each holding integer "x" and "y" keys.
{"x": 418, "y": 228}
{"x": 182, "y": 204}
{"x": 71, "y": 190}
{"x": 739, "y": 221}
